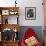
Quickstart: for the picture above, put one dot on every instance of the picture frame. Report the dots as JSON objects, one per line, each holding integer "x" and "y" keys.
{"x": 30, "y": 13}
{"x": 5, "y": 12}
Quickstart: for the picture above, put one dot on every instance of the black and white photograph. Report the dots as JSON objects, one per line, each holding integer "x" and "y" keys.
{"x": 30, "y": 13}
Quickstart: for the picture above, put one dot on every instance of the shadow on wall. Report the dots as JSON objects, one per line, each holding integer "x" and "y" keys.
{"x": 37, "y": 29}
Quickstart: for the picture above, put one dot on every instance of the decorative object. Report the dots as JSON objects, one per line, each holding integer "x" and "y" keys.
{"x": 30, "y": 13}
{"x": 13, "y": 12}
{"x": 5, "y": 12}
{"x": 15, "y": 37}
{"x": 15, "y": 30}
{"x": 15, "y": 3}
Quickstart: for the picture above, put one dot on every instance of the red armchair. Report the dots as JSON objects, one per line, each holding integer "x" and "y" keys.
{"x": 30, "y": 39}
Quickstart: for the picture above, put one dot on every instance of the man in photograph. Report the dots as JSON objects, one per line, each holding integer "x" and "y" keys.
{"x": 30, "y": 13}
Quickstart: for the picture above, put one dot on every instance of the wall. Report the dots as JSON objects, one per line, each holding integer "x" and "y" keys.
{"x": 39, "y": 13}
{"x": 27, "y": 3}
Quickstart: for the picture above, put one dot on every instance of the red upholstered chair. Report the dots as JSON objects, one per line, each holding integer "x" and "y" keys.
{"x": 28, "y": 35}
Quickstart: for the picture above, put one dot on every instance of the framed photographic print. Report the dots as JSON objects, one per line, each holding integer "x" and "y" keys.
{"x": 5, "y": 12}
{"x": 30, "y": 13}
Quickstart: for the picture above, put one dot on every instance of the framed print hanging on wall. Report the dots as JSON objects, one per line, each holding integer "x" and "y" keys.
{"x": 30, "y": 13}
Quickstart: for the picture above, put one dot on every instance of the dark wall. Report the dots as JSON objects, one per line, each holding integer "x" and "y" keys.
{"x": 37, "y": 29}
